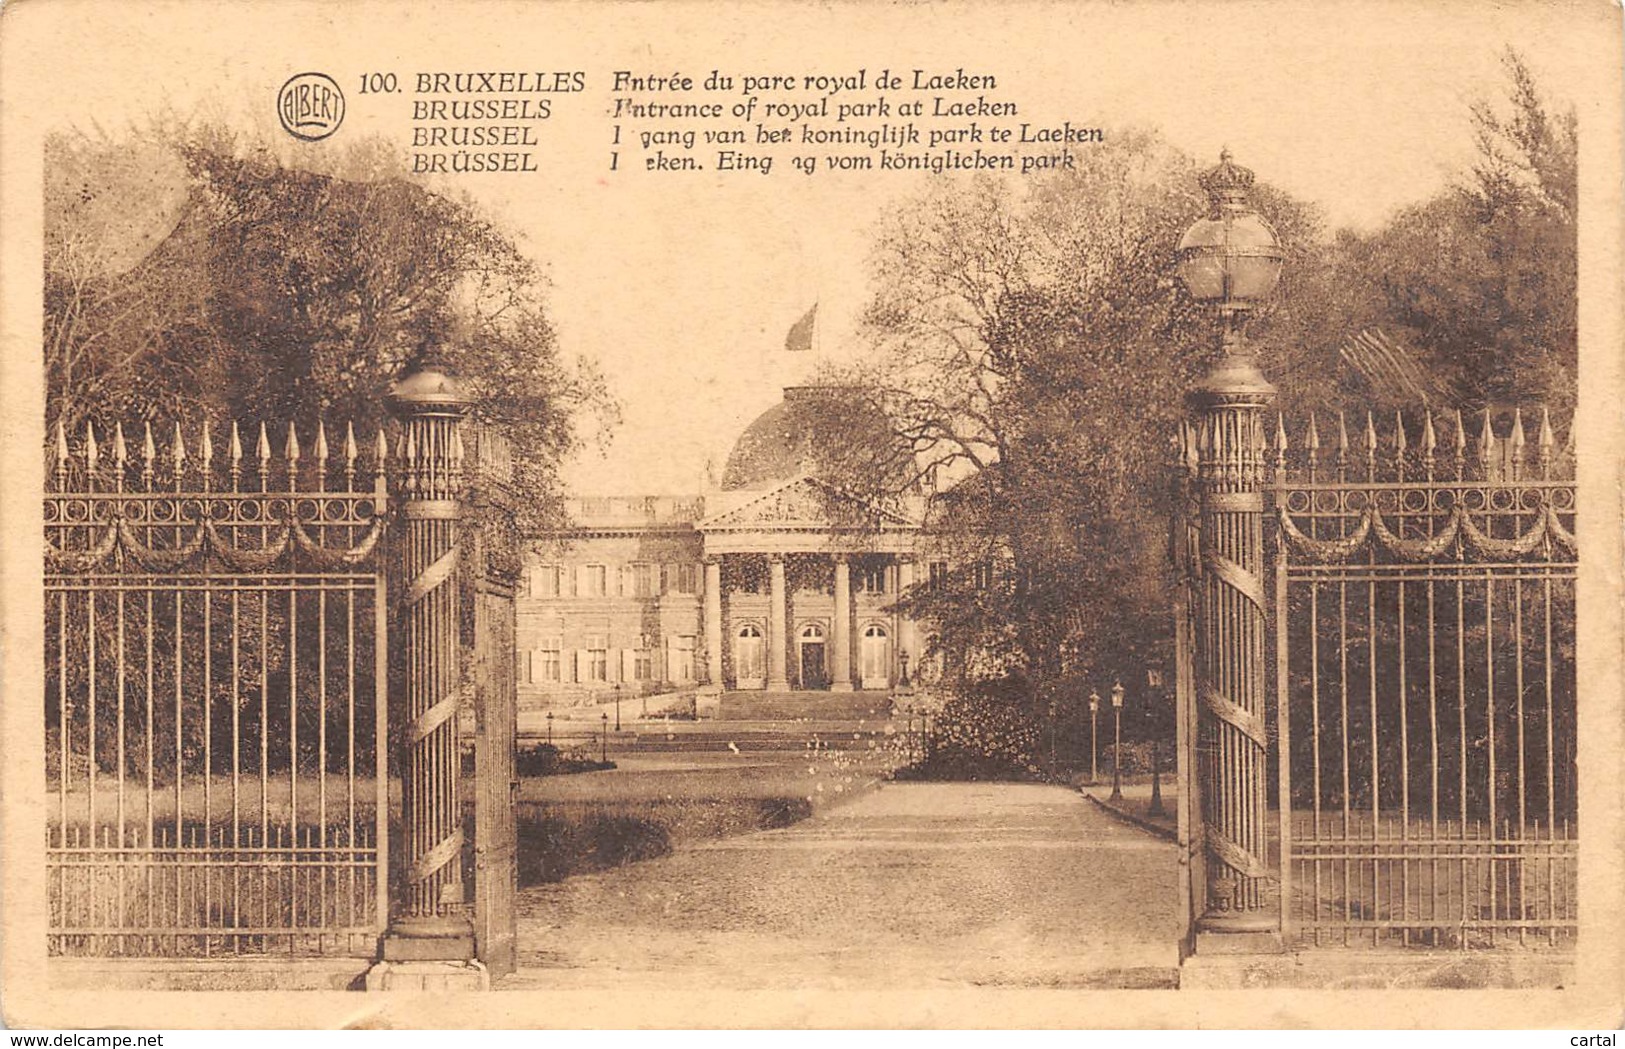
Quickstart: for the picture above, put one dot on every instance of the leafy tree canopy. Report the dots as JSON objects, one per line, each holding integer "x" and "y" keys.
{"x": 1481, "y": 280}
{"x": 1032, "y": 347}
{"x": 189, "y": 275}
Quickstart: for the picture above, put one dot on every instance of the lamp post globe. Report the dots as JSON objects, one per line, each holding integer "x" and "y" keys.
{"x": 1230, "y": 257}
{"x": 1230, "y": 261}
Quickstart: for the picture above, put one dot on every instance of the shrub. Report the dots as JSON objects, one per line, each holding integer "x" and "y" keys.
{"x": 678, "y": 708}
{"x": 545, "y": 759}
{"x": 1137, "y": 757}
{"x": 986, "y": 733}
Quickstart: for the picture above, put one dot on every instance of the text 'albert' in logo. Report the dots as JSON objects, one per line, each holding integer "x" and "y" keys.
{"x": 310, "y": 106}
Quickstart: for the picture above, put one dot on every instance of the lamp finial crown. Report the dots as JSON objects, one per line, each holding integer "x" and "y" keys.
{"x": 1227, "y": 184}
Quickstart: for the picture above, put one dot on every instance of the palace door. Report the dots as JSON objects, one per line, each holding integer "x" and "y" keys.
{"x": 750, "y": 657}
{"x": 814, "y": 672}
{"x": 875, "y": 657}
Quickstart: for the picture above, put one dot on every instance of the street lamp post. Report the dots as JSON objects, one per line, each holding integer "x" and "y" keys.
{"x": 1117, "y": 744}
{"x": 1094, "y": 751}
{"x": 1230, "y": 260}
{"x": 550, "y": 728}
{"x": 603, "y": 740}
{"x": 1156, "y": 807}
{"x": 617, "y": 706}
{"x": 1154, "y": 680}
{"x": 1054, "y": 713}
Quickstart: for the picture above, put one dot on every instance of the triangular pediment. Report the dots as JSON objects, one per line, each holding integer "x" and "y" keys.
{"x": 805, "y": 503}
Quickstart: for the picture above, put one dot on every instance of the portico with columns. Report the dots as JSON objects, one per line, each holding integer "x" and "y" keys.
{"x": 796, "y": 599}
{"x": 771, "y": 579}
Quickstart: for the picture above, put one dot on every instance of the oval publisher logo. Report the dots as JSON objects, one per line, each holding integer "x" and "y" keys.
{"x": 310, "y": 106}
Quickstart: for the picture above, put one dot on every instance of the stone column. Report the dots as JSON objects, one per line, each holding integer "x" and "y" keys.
{"x": 429, "y": 921}
{"x": 840, "y": 634}
{"x": 713, "y": 621}
{"x": 777, "y": 637}
{"x": 906, "y": 639}
{"x": 1232, "y": 740}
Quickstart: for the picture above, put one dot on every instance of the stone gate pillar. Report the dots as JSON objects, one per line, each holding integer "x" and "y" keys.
{"x": 430, "y": 920}
{"x": 1231, "y": 740}
{"x": 1230, "y": 260}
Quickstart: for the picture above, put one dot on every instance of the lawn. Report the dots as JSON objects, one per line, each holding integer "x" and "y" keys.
{"x": 646, "y": 807}
{"x": 650, "y": 805}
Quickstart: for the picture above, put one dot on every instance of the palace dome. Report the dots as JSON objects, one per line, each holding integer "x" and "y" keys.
{"x": 812, "y": 430}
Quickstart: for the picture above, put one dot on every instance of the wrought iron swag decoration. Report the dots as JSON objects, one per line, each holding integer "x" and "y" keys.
{"x": 192, "y": 520}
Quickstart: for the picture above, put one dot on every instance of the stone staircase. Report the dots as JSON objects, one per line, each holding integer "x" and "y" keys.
{"x": 795, "y": 706}
{"x": 744, "y": 737}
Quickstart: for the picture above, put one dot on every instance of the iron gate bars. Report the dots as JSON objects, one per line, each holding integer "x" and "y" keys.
{"x": 1423, "y": 616}
{"x": 215, "y": 678}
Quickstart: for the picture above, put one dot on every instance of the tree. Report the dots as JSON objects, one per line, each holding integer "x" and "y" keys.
{"x": 1035, "y": 350}
{"x": 193, "y": 278}
{"x": 123, "y": 279}
{"x": 293, "y": 294}
{"x": 1481, "y": 280}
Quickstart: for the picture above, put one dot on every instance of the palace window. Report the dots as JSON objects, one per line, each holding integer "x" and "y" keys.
{"x": 684, "y": 577}
{"x": 597, "y": 659}
{"x": 543, "y": 581}
{"x": 872, "y": 579}
{"x": 982, "y": 575}
{"x": 938, "y": 575}
{"x": 643, "y": 665}
{"x": 643, "y": 580}
{"x": 593, "y": 580}
{"x": 543, "y": 666}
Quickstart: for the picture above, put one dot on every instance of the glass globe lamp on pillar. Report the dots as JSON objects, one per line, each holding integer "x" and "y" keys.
{"x": 1230, "y": 261}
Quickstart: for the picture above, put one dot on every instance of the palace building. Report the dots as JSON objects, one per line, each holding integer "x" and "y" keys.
{"x": 772, "y": 581}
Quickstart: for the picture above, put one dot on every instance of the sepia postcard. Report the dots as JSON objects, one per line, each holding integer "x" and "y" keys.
{"x": 812, "y": 515}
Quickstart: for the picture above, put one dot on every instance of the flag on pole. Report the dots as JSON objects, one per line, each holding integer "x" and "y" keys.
{"x": 800, "y": 337}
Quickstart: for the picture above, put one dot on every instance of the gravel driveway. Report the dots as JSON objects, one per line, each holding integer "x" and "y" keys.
{"x": 915, "y": 885}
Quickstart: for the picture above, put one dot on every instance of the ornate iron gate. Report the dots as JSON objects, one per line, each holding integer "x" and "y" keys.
{"x": 1188, "y": 810}
{"x": 1424, "y": 671}
{"x": 1385, "y": 635}
{"x": 492, "y": 572}
{"x": 215, "y": 671}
